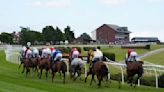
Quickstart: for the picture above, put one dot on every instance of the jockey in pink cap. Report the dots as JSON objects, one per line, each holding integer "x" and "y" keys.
{"x": 131, "y": 56}
{"x": 74, "y": 53}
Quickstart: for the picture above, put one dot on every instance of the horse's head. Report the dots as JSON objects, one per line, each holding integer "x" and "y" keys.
{"x": 90, "y": 56}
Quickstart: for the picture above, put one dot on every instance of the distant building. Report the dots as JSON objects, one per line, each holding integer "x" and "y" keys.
{"x": 109, "y": 33}
{"x": 145, "y": 40}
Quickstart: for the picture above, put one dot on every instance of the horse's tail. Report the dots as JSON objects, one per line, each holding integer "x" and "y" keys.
{"x": 64, "y": 67}
{"x": 104, "y": 70}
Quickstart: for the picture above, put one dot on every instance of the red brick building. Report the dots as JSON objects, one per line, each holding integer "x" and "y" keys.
{"x": 108, "y": 33}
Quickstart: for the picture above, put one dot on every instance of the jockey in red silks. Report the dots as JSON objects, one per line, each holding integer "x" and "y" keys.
{"x": 131, "y": 56}
{"x": 52, "y": 50}
{"x": 74, "y": 53}
{"x": 128, "y": 55}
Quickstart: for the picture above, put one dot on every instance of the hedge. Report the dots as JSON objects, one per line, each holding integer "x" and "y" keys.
{"x": 136, "y": 46}
{"x": 78, "y": 48}
{"x": 64, "y": 49}
{"x": 109, "y": 55}
{"x": 87, "y": 48}
{"x": 145, "y": 80}
{"x": 161, "y": 81}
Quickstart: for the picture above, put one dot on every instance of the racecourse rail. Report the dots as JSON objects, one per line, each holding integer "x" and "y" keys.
{"x": 13, "y": 52}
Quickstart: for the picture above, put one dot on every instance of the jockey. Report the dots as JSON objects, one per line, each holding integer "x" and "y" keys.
{"x": 48, "y": 51}
{"x": 23, "y": 51}
{"x": 131, "y": 56}
{"x": 52, "y": 50}
{"x": 128, "y": 55}
{"x": 97, "y": 55}
{"x": 35, "y": 52}
{"x": 44, "y": 53}
{"x": 74, "y": 53}
{"x": 57, "y": 55}
{"x": 28, "y": 53}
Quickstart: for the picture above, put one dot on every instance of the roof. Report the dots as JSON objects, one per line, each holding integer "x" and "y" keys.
{"x": 145, "y": 39}
{"x": 118, "y": 28}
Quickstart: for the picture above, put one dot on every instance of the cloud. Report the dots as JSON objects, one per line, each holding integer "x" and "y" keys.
{"x": 52, "y": 3}
{"x": 114, "y": 2}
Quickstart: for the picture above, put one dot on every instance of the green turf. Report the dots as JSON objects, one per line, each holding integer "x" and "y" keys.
{"x": 120, "y": 53}
{"x": 157, "y": 58}
{"x": 11, "y": 80}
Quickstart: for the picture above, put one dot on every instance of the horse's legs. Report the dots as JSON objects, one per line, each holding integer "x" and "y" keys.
{"x": 79, "y": 74}
{"x": 88, "y": 73}
{"x": 53, "y": 74}
{"x": 40, "y": 73}
{"x": 139, "y": 75}
{"x": 64, "y": 77}
{"x": 23, "y": 68}
{"x": 20, "y": 64}
{"x": 92, "y": 79}
{"x": 99, "y": 77}
{"x": 27, "y": 71}
{"x": 47, "y": 73}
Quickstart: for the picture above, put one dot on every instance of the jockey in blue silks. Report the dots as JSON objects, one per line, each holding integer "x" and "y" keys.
{"x": 57, "y": 55}
{"x": 35, "y": 52}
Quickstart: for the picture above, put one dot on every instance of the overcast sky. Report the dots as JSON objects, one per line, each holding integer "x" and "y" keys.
{"x": 144, "y": 18}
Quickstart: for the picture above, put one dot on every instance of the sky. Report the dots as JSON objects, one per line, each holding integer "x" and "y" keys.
{"x": 144, "y": 18}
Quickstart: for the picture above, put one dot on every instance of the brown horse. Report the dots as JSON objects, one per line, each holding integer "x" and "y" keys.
{"x": 99, "y": 69}
{"x": 134, "y": 68}
{"x": 27, "y": 64}
{"x": 59, "y": 66}
{"x": 44, "y": 64}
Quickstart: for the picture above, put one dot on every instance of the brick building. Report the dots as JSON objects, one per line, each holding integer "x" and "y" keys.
{"x": 108, "y": 33}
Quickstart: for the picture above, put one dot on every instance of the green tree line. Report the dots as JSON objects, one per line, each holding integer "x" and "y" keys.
{"x": 47, "y": 34}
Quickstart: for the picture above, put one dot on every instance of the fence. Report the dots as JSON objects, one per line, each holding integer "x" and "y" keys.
{"x": 12, "y": 53}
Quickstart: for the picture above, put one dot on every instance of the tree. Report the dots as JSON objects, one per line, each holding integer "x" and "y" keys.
{"x": 85, "y": 36}
{"x": 27, "y": 35}
{"x": 69, "y": 34}
{"x": 59, "y": 35}
{"x": 48, "y": 33}
{"x": 6, "y": 38}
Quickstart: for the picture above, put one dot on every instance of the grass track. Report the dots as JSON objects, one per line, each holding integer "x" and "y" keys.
{"x": 11, "y": 80}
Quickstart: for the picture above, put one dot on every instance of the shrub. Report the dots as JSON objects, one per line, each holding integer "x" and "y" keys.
{"x": 147, "y": 47}
{"x": 148, "y": 81}
{"x": 65, "y": 50}
{"x": 135, "y": 46}
{"x": 161, "y": 81}
{"x": 109, "y": 55}
{"x": 78, "y": 48}
{"x": 87, "y": 48}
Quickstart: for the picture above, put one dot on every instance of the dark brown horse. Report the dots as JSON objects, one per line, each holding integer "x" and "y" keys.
{"x": 134, "y": 68}
{"x": 44, "y": 64}
{"x": 33, "y": 63}
{"x": 59, "y": 66}
{"x": 27, "y": 64}
{"x": 99, "y": 69}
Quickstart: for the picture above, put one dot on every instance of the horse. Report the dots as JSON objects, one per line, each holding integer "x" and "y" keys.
{"x": 59, "y": 66}
{"x": 134, "y": 68}
{"x": 27, "y": 64}
{"x": 99, "y": 69}
{"x": 75, "y": 67}
{"x": 44, "y": 64}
